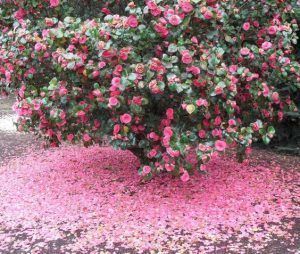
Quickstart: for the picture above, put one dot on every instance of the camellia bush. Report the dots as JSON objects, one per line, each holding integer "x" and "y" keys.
{"x": 163, "y": 79}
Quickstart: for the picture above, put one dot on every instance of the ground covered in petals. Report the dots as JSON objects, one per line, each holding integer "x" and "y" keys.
{"x": 83, "y": 200}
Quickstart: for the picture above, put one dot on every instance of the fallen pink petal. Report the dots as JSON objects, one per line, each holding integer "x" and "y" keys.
{"x": 95, "y": 195}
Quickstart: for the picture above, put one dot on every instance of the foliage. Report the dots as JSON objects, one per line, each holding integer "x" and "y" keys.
{"x": 160, "y": 78}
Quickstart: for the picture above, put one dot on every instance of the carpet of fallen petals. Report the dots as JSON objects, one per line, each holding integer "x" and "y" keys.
{"x": 82, "y": 200}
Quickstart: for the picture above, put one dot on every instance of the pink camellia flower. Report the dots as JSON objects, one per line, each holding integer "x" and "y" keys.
{"x": 81, "y": 113}
{"x": 96, "y": 74}
{"x": 208, "y": 14}
{"x": 97, "y": 93}
{"x": 202, "y": 134}
{"x": 202, "y": 102}
{"x": 170, "y": 113}
{"x": 272, "y": 30}
{"x": 217, "y": 121}
{"x": 266, "y": 90}
{"x": 113, "y": 101}
{"x": 231, "y": 122}
{"x": 63, "y": 91}
{"x": 86, "y": 137}
{"x": 146, "y": 170}
{"x": 174, "y": 20}
{"x": 186, "y": 6}
{"x": 185, "y": 176}
{"x": 266, "y": 45}
{"x": 246, "y": 26}
{"x": 168, "y": 132}
{"x": 20, "y": 14}
{"x": 169, "y": 167}
{"x": 132, "y": 21}
{"x": 186, "y": 57}
{"x": 193, "y": 69}
{"x": 137, "y": 100}
{"x": 203, "y": 167}
{"x": 194, "y": 40}
{"x": 233, "y": 68}
{"x": 38, "y": 47}
{"x": 116, "y": 81}
{"x": 116, "y": 129}
{"x": 161, "y": 29}
{"x": 173, "y": 153}
{"x": 153, "y": 136}
{"x": 101, "y": 64}
{"x": 125, "y": 118}
{"x": 152, "y": 153}
{"x": 54, "y": 3}
{"x": 275, "y": 97}
{"x": 256, "y": 23}
{"x": 280, "y": 115}
{"x": 244, "y": 51}
{"x": 70, "y": 137}
{"x": 220, "y": 145}
{"x": 255, "y": 126}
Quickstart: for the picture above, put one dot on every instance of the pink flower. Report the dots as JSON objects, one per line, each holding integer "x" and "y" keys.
{"x": 70, "y": 137}
{"x": 266, "y": 90}
{"x": 232, "y": 122}
{"x": 233, "y": 68}
{"x": 162, "y": 30}
{"x": 20, "y": 14}
{"x": 170, "y": 113}
{"x": 113, "y": 101}
{"x": 202, "y": 102}
{"x": 173, "y": 153}
{"x": 132, "y": 21}
{"x": 152, "y": 153}
{"x": 63, "y": 91}
{"x": 186, "y": 7}
{"x": 38, "y": 47}
{"x": 193, "y": 69}
{"x": 174, "y": 20}
{"x": 54, "y": 3}
{"x": 81, "y": 113}
{"x": 86, "y": 137}
{"x": 255, "y": 126}
{"x": 96, "y": 74}
{"x": 101, "y": 65}
{"x": 217, "y": 121}
{"x": 202, "y": 134}
{"x": 275, "y": 97}
{"x": 153, "y": 136}
{"x": 203, "y": 167}
{"x": 169, "y": 167}
{"x": 272, "y": 30}
{"x": 97, "y": 93}
{"x": 208, "y": 14}
{"x": 116, "y": 81}
{"x": 246, "y": 26}
{"x": 185, "y": 176}
{"x": 125, "y": 118}
{"x": 186, "y": 57}
{"x": 168, "y": 132}
{"x": 116, "y": 129}
{"x": 244, "y": 51}
{"x": 266, "y": 45}
{"x": 146, "y": 170}
{"x": 220, "y": 145}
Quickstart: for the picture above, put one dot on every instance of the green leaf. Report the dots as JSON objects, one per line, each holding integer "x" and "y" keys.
{"x": 266, "y": 139}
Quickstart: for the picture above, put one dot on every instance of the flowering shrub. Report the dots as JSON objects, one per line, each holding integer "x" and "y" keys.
{"x": 160, "y": 78}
